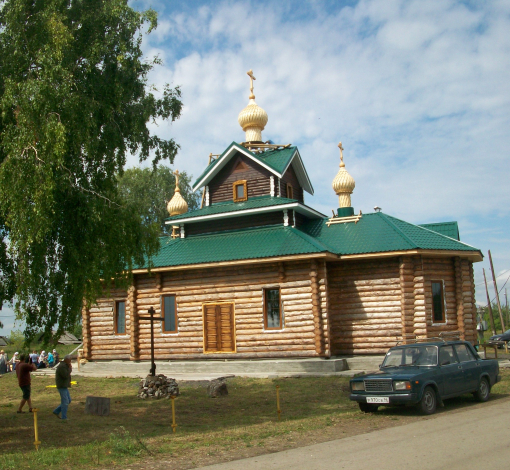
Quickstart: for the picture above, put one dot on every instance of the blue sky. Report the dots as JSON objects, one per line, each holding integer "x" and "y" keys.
{"x": 418, "y": 92}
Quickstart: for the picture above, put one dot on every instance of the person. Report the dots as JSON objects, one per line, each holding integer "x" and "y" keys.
{"x": 23, "y": 370}
{"x": 51, "y": 360}
{"x": 42, "y": 360}
{"x": 63, "y": 382}
{"x": 14, "y": 360}
{"x": 56, "y": 357}
{"x": 3, "y": 362}
{"x": 35, "y": 358}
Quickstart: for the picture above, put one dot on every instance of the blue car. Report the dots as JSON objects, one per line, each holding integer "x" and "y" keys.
{"x": 424, "y": 374}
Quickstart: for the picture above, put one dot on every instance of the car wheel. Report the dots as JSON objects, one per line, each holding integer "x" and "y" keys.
{"x": 368, "y": 407}
{"x": 428, "y": 402}
{"x": 482, "y": 394}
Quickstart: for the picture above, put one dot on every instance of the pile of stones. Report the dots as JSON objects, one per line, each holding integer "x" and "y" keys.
{"x": 158, "y": 387}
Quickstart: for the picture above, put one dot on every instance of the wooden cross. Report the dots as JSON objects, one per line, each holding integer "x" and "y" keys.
{"x": 151, "y": 316}
{"x": 250, "y": 74}
{"x": 341, "y": 151}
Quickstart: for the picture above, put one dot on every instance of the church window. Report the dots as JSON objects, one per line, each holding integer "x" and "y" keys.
{"x": 169, "y": 308}
{"x": 272, "y": 309}
{"x": 290, "y": 191}
{"x": 438, "y": 309}
{"x": 120, "y": 317}
{"x": 240, "y": 191}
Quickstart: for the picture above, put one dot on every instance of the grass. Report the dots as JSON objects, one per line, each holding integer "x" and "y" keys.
{"x": 209, "y": 430}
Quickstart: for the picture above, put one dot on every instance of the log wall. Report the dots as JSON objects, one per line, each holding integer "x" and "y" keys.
{"x": 374, "y": 304}
{"x": 303, "y": 289}
{"x": 290, "y": 177}
{"x": 234, "y": 223}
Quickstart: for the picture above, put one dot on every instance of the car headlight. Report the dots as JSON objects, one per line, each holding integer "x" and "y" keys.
{"x": 401, "y": 385}
{"x": 357, "y": 386}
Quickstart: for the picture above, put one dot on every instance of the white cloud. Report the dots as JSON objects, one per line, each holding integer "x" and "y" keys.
{"x": 417, "y": 91}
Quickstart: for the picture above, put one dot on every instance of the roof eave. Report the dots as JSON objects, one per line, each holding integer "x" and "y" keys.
{"x": 475, "y": 256}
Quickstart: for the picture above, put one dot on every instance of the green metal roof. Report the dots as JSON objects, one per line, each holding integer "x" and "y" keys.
{"x": 379, "y": 233}
{"x": 255, "y": 243}
{"x": 277, "y": 159}
{"x": 373, "y": 233}
{"x": 450, "y": 229}
{"x": 229, "y": 206}
{"x": 253, "y": 203}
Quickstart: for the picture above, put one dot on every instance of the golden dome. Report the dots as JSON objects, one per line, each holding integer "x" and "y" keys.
{"x": 344, "y": 183}
{"x": 253, "y": 118}
{"x": 177, "y": 205}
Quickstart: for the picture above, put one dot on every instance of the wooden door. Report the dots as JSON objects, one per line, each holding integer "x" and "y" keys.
{"x": 219, "y": 328}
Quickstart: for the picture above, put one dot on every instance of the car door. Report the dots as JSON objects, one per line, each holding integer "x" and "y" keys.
{"x": 470, "y": 367}
{"x": 451, "y": 371}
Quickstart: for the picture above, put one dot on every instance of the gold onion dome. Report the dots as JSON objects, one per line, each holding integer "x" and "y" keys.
{"x": 253, "y": 118}
{"x": 344, "y": 183}
{"x": 177, "y": 205}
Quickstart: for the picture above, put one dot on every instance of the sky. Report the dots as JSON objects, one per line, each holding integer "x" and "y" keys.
{"x": 418, "y": 93}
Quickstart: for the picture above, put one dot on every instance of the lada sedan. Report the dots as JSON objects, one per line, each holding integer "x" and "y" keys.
{"x": 424, "y": 374}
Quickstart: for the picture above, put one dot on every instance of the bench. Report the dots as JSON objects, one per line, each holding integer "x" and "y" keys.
{"x": 494, "y": 345}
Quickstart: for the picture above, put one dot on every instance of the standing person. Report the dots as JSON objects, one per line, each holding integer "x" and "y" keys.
{"x": 63, "y": 381}
{"x": 23, "y": 370}
{"x": 14, "y": 360}
{"x": 3, "y": 362}
{"x": 34, "y": 356}
{"x": 56, "y": 357}
{"x": 42, "y": 360}
{"x": 51, "y": 362}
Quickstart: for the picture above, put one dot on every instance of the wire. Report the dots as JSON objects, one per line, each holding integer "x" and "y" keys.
{"x": 499, "y": 275}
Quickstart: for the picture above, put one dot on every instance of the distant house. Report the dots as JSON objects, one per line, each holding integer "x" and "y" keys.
{"x": 65, "y": 338}
{"x": 258, "y": 273}
{"x": 4, "y": 341}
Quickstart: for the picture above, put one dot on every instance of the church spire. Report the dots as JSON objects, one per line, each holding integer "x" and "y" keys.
{"x": 253, "y": 118}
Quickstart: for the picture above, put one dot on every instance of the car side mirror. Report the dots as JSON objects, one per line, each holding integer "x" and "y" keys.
{"x": 445, "y": 363}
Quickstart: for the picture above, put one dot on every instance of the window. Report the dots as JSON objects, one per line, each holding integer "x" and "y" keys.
{"x": 446, "y": 356}
{"x": 169, "y": 309}
{"x": 463, "y": 353}
{"x": 120, "y": 317}
{"x": 438, "y": 315}
{"x": 290, "y": 191}
{"x": 240, "y": 191}
{"x": 272, "y": 309}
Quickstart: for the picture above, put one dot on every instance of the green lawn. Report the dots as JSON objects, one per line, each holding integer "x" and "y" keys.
{"x": 244, "y": 421}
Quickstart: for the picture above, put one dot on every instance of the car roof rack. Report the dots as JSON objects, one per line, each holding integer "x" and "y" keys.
{"x": 444, "y": 336}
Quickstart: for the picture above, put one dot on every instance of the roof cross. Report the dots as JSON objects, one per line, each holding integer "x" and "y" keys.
{"x": 176, "y": 173}
{"x": 250, "y": 74}
{"x": 341, "y": 154}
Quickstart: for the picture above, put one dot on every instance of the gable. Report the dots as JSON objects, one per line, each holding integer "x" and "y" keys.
{"x": 275, "y": 161}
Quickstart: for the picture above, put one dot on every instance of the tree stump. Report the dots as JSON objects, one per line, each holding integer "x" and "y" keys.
{"x": 98, "y": 406}
{"x": 217, "y": 388}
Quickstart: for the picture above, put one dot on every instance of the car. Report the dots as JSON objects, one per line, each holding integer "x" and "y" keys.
{"x": 501, "y": 337}
{"x": 424, "y": 374}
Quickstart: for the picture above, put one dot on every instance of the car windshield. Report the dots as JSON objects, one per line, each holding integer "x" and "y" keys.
{"x": 411, "y": 356}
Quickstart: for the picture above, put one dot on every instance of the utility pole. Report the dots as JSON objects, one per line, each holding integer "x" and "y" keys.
{"x": 497, "y": 294}
{"x": 491, "y": 318}
{"x": 507, "y": 314}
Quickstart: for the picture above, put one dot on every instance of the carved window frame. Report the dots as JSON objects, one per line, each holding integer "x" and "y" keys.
{"x": 116, "y": 317}
{"x": 235, "y": 185}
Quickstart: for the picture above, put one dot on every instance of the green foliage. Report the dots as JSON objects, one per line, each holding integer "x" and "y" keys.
{"x": 495, "y": 315}
{"x": 16, "y": 340}
{"x": 149, "y": 190}
{"x": 122, "y": 443}
{"x": 73, "y": 103}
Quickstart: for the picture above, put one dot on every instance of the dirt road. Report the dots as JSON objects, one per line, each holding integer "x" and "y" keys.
{"x": 467, "y": 439}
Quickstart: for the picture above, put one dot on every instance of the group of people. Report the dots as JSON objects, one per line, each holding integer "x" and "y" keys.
{"x": 62, "y": 378}
{"x": 41, "y": 361}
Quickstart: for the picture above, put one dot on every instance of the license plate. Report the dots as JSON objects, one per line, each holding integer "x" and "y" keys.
{"x": 378, "y": 399}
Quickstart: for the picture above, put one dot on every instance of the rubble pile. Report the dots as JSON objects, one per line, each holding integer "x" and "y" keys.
{"x": 157, "y": 387}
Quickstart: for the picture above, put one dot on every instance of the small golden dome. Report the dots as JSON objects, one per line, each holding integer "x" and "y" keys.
{"x": 344, "y": 183}
{"x": 177, "y": 205}
{"x": 253, "y": 118}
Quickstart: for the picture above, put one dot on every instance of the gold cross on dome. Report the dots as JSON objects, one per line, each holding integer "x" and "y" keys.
{"x": 176, "y": 173}
{"x": 250, "y": 74}
{"x": 341, "y": 151}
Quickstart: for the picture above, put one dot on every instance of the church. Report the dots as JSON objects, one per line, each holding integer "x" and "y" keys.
{"x": 257, "y": 273}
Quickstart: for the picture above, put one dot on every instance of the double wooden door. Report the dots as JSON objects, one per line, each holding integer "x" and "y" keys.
{"x": 219, "y": 328}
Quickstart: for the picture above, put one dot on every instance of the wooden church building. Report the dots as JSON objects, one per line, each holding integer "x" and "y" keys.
{"x": 258, "y": 273}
